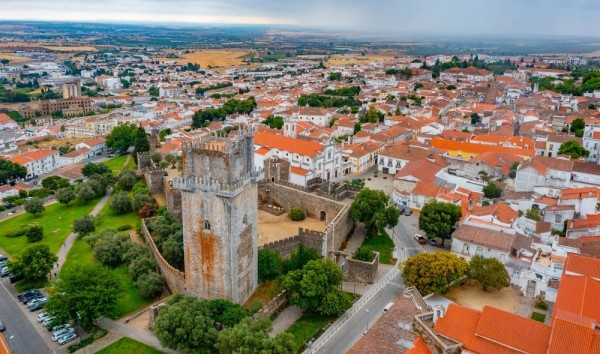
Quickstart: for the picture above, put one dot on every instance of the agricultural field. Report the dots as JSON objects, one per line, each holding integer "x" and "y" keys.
{"x": 213, "y": 58}
{"x": 14, "y": 58}
{"x": 351, "y": 59}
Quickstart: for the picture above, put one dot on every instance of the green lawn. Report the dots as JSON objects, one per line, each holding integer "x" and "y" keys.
{"x": 110, "y": 219}
{"x": 56, "y": 220}
{"x": 540, "y": 317}
{"x": 383, "y": 244}
{"x": 308, "y": 327}
{"x": 127, "y": 345}
{"x": 116, "y": 163}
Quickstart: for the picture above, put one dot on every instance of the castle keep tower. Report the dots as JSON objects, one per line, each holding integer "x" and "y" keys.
{"x": 220, "y": 214}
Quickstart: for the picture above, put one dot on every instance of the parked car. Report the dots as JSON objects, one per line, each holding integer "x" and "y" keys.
{"x": 61, "y": 327}
{"x": 28, "y": 293}
{"x": 4, "y": 272}
{"x": 3, "y": 258}
{"x": 56, "y": 335}
{"x": 14, "y": 278}
{"x": 67, "y": 338}
{"x": 48, "y": 321}
{"x": 28, "y": 298}
{"x": 38, "y": 306}
{"x": 42, "y": 316}
{"x": 431, "y": 241}
{"x": 420, "y": 239}
{"x": 111, "y": 155}
{"x": 36, "y": 301}
{"x": 402, "y": 211}
{"x": 2, "y": 326}
{"x": 2, "y": 264}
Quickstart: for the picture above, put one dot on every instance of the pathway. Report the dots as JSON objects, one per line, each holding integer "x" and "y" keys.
{"x": 357, "y": 238}
{"x": 285, "y": 319}
{"x": 140, "y": 335}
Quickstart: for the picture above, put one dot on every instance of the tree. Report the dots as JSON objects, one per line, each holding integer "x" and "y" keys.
{"x": 34, "y": 206}
{"x": 122, "y": 137}
{"x": 491, "y": 191}
{"x": 55, "y": 183}
{"x": 252, "y": 336}
{"x": 164, "y": 133}
{"x": 315, "y": 287}
{"x": 185, "y": 324}
{"x": 172, "y": 251}
{"x": 139, "y": 200}
{"x": 85, "y": 193}
{"x": 372, "y": 115}
{"x": 84, "y": 225}
{"x": 296, "y": 214}
{"x": 357, "y": 128}
{"x": 489, "y": 273}
{"x": 270, "y": 265}
{"x": 299, "y": 258}
{"x": 35, "y": 263}
{"x": 109, "y": 250}
{"x": 34, "y": 233}
{"x": 577, "y": 124}
{"x": 10, "y": 171}
{"x": 433, "y": 272}
{"x": 153, "y": 91}
{"x": 573, "y": 149}
{"x": 513, "y": 170}
{"x": 91, "y": 169}
{"x": 84, "y": 294}
{"x": 141, "y": 143}
{"x": 140, "y": 266}
{"x": 65, "y": 196}
{"x": 150, "y": 285}
{"x": 127, "y": 178}
{"x": 533, "y": 214}
{"x": 437, "y": 218}
{"x": 172, "y": 159}
{"x": 274, "y": 122}
{"x": 370, "y": 207}
{"x": 364, "y": 253}
{"x": 475, "y": 118}
{"x": 226, "y": 312}
{"x": 156, "y": 157}
{"x": 120, "y": 204}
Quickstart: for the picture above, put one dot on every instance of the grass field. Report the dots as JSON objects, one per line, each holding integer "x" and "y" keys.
{"x": 540, "y": 317}
{"x": 382, "y": 244}
{"x": 307, "y": 327}
{"x": 127, "y": 345}
{"x": 265, "y": 292}
{"x": 351, "y": 59}
{"x": 13, "y": 58}
{"x": 212, "y": 58}
{"x": 56, "y": 221}
{"x": 70, "y": 48}
{"x": 116, "y": 163}
{"x": 110, "y": 219}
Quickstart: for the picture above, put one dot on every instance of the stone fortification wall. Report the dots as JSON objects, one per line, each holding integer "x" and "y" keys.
{"x": 360, "y": 271}
{"x": 308, "y": 238}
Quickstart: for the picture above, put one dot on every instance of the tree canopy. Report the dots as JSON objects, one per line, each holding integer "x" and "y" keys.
{"x": 65, "y": 195}
{"x": 433, "y": 272}
{"x": 274, "y": 122}
{"x": 87, "y": 292}
{"x": 573, "y": 149}
{"x": 122, "y": 137}
{"x": 315, "y": 287}
{"x": 269, "y": 265}
{"x": 491, "y": 191}
{"x": 92, "y": 168}
{"x": 370, "y": 207}
{"x": 437, "y": 218}
{"x": 489, "y": 273}
{"x": 34, "y": 206}
{"x": 55, "y": 183}
{"x": 252, "y": 336}
{"x": 10, "y": 171}
{"x": 208, "y": 115}
{"x": 141, "y": 143}
{"x": 35, "y": 263}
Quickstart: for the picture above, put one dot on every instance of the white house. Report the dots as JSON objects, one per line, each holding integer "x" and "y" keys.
{"x": 7, "y": 122}
{"x": 315, "y": 115}
{"x": 591, "y": 142}
{"x": 75, "y": 156}
{"x": 38, "y": 162}
{"x": 96, "y": 145}
{"x": 543, "y": 171}
{"x": 469, "y": 241}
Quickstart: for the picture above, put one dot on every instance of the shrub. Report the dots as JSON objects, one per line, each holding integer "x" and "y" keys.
{"x": 536, "y": 316}
{"x": 364, "y": 253}
{"x": 541, "y": 305}
{"x": 297, "y": 214}
{"x": 84, "y": 225}
{"x": 270, "y": 265}
{"x": 2, "y": 208}
{"x": 148, "y": 210}
{"x": 17, "y": 232}
{"x": 141, "y": 266}
{"x": 150, "y": 285}
{"x": 120, "y": 203}
{"x": 109, "y": 251}
{"x": 34, "y": 233}
{"x": 124, "y": 227}
{"x": 139, "y": 200}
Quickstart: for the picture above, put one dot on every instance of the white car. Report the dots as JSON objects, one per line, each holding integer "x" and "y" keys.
{"x": 60, "y": 328}
{"x": 56, "y": 336}
{"x": 35, "y": 301}
{"x": 48, "y": 321}
{"x": 67, "y": 338}
{"x": 42, "y": 316}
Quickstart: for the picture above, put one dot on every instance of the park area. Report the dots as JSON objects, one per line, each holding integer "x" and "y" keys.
{"x": 276, "y": 227}
{"x": 128, "y": 345}
{"x": 473, "y": 296}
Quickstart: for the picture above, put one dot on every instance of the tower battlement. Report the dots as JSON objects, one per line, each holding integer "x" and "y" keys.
{"x": 207, "y": 184}
{"x": 218, "y": 145}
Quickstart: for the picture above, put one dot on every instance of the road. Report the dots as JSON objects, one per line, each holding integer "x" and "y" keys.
{"x": 345, "y": 338}
{"x": 26, "y": 338}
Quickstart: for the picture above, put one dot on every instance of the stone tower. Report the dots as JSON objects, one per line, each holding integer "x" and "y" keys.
{"x": 220, "y": 213}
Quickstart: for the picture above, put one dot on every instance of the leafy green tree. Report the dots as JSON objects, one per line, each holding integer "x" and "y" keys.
{"x": 372, "y": 115}
{"x": 150, "y": 285}
{"x": 84, "y": 225}
{"x": 270, "y": 265}
{"x": 35, "y": 263}
{"x": 299, "y": 258}
{"x": 34, "y": 206}
{"x": 577, "y": 124}
{"x": 55, "y": 183}
{"x": 84, "y": 294}
{"x": 364, "y": 253}
{"x": 433, "y": 272}
{"x": 65, "y": 196}
{"x": 92, "y": 168}
{"x": 573, "y": 149}
{"x": 156, "y": 157}
{"x": 491, "y": 191}
{"x": 127, "y": 178}
{"x": 121, "y": 203}
{"x": 437, "y": 218}
{"x": 153, "y": 91}
{"x": 34, "y": 233}
{"x": 475, "y": 118}
{"x": 513, "y": 170}
{"x": 226, "y": 312}
{"x": 185, "y": 324}
{"x": 315, "y": 287}
{"x": 274, "y": 122}
{"x": 139, "y": 200}
{"x": 357, "y": 128}
{"x": 533, "y": 214}
{"x": 296, "y": 214}
{"x": 252, "y": 336}
{"x": 370, "y": 207}
{"x": 489, "y": 273}
{"x": 10, "y": 171}
{"x": 172, "y": 251}
{"x": 109, "y": 250}
{"x": 164, "y": 133}
{"x": 141, "y": 143}
{"x": 84, "y": 192}
{"x": 140, "y": 266}
{"x": 122, "y": 137}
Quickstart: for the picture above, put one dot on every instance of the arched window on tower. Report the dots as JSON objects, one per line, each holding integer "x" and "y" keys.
{"x": 206, "y": 225}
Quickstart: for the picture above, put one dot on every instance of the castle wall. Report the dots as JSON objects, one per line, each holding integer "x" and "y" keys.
{"x": 308, "y": 238}
{"x": 360, "y": 271}
{"x": 154, "y": 180}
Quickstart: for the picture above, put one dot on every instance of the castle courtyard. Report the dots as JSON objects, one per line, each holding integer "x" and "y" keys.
{"x": 272, "y": 227}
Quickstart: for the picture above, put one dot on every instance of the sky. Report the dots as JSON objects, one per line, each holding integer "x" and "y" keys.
{"x": 472, "y": 17}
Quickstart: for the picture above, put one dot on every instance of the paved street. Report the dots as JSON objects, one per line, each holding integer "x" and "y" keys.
{"x": 347, "y": 336}
{"x": 26, "y": 338}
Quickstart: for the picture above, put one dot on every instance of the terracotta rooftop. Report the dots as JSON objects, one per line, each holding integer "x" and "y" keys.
{"x": 486, "y": 237}
{"x": 297, "y": 146}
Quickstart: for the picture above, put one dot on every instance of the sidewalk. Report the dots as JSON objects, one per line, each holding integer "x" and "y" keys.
{"x": 357, "y": 238}
{"x": 145, "y": 337}
{"x": 285, "y": 319}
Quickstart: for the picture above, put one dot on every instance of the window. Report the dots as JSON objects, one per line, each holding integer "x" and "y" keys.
{"x": 557, "y": 218}
{"x": 206, "y": 225}
{"x": 502, "y": 258}
{"x": 479, "y": 251}
{"x": 466, "y": 248}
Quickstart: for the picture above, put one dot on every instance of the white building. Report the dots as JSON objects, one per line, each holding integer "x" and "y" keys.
{"x": 591, "y": 142}
{"x": 38, "y": 162}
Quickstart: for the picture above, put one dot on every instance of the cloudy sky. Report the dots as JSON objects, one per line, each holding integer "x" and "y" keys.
{"x": 476, "y": 17}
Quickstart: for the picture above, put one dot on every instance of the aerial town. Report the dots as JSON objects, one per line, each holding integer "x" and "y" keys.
{"x": 268, "y": 192}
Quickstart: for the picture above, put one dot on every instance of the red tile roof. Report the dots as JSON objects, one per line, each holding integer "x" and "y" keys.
{"x": 283, "y": 143}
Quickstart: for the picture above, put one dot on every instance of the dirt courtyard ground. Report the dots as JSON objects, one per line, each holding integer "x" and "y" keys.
{"x": 272, "y": 228}
{"x": 471, "y": 296}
